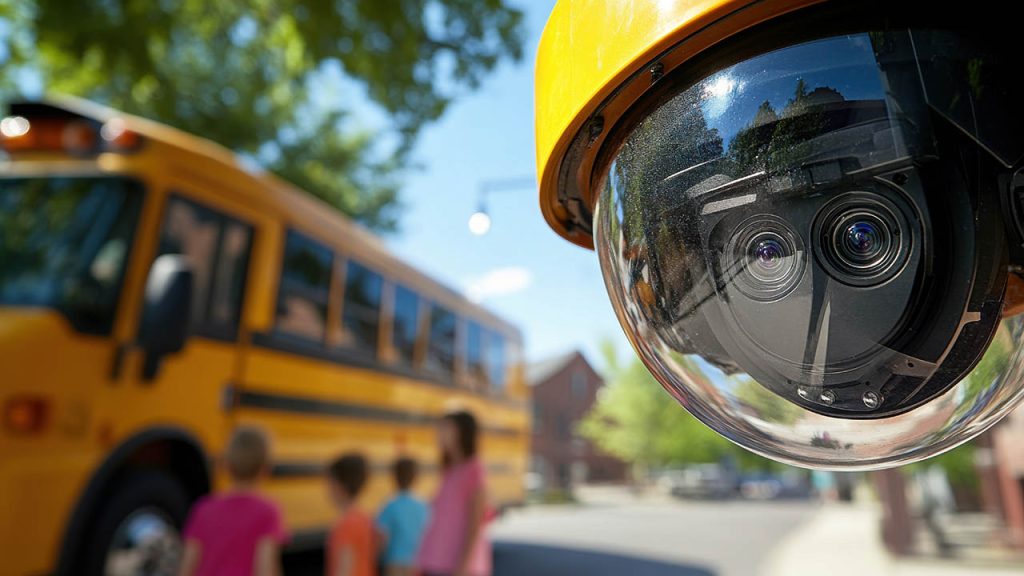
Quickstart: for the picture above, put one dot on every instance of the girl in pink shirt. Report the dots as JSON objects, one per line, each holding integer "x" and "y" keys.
{"x": 455, "y": 543}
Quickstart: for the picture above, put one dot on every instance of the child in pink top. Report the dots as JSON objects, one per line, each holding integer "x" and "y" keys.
{"x": 239, "y": 533}
{"x": 455, "y": 542}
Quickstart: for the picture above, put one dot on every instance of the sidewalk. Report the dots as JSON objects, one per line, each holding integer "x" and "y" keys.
{"x": 845, "y": 540}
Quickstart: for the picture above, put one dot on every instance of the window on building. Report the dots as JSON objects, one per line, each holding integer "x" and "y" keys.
{"x": 564, "y": 426}
{"x": 216, "y": 247}
{"x": 579, "y": 385}
{"x": 360, "y": 312}
{"x": 304, "y": 290}
{"x": 441, "y": 345}
{"x": 406, "y": 328}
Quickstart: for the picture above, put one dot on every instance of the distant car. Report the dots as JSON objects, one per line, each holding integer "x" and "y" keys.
{"x": 534, "y": 482}
{"x": 700, "y": 481}
{"x": 774, "y": 485}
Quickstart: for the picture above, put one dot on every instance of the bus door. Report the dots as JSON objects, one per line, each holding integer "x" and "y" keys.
{"x": 192, "y": 387}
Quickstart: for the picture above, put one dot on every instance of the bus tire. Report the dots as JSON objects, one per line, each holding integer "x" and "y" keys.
{"x": 145, "y": 497}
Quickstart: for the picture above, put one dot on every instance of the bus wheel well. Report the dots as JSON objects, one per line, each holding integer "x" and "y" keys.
{"x": 168, "y": 450}
{"x": 180, "y": 459}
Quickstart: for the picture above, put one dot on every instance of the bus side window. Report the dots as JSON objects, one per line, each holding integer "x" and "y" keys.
{"x": 304, "y": 291}
{"x": 407, "y": 325}
{"x": 475, "y": 354}
{"x": 440, "y": 358}
{"x": 217, "y": 247}
{"x": 360, "y": 311}
{"x": 497, "y": 363}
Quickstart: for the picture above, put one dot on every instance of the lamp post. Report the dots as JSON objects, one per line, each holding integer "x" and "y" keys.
{"x": 480, "y": 221}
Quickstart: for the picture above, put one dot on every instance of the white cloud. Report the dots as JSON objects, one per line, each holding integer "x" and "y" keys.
{"x": 498, "y": 282}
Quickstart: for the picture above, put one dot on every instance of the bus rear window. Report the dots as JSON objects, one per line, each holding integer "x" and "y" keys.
{"x": 64, "y": 244}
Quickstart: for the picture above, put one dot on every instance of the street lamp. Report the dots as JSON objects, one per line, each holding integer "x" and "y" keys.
{"x": 480, "y": 221}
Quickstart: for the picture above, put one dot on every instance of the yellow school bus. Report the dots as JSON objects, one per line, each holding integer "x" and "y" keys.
{"x": 155, "y": 293}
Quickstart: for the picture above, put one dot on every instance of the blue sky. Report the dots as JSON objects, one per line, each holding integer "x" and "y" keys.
{"x": 552, "y": 289}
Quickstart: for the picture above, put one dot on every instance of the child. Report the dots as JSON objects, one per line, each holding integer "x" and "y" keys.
{"x": 455, "y": 541}
{"x": 238, "y": 533}
{"x": 402, "y": 522}
{"x": 350, "y": 546}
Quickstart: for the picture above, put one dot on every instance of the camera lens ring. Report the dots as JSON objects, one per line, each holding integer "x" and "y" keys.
{"x": 769, "y": 256}
{"x": 862, "y": 239}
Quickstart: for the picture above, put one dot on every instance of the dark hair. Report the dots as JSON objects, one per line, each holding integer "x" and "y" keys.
{"x": 247, "y": 453}
{"x": 349, "y": 471}
{"x": 466, "y": 430}
{"x": 405, "y": 470}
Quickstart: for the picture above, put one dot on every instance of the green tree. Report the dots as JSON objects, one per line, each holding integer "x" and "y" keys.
{"x": 770, "y": 405}
{"x": 250, "y": 75}
{"x": 635, "y": 419}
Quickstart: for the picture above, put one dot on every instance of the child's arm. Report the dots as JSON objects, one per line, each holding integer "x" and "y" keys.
{"x": 190, "y": 558}
{"x": 346, "y": 562}
{"x": 477, "y": 511}
{"x": 268, "y": 558}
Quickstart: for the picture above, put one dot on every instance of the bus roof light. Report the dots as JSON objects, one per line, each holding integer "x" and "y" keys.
{"x": 14, "y": 126}
{"x": 36, "y": 127}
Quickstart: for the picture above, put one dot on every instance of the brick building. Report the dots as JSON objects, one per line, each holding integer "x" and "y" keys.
{"x": 564, "y": 389}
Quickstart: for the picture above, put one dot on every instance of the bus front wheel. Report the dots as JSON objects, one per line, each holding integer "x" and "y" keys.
{"x": 138, "y": 530}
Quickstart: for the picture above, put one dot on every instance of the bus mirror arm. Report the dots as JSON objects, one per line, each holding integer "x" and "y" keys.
{"x": 166, "y": 311}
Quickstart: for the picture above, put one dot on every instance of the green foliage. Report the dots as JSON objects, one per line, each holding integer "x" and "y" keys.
{"x": 635, "y": 419}
{"x": 771, "y": 406}
{"x": 959, "y": 466}
{"x": 246, "y": 74}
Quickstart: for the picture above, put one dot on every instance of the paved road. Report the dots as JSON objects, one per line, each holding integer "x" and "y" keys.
{"x": 632, "y": 538}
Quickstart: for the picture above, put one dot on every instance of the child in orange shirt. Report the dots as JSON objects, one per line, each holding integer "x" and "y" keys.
{"x": 351, "y": 549}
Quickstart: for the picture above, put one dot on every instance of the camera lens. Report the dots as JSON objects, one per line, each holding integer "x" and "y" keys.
{"x": 863, "y": 239}
{"x": 765, "y": 258}
{"x": 768, "y": 258}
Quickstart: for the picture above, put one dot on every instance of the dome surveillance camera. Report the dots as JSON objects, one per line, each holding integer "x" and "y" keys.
{"x": 808, "y": 220}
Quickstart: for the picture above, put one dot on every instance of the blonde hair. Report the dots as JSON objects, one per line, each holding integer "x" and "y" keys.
{"x": 247, "y": 453}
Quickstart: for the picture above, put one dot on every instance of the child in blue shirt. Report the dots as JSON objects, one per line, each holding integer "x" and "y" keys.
{"x": 401, "y": 523}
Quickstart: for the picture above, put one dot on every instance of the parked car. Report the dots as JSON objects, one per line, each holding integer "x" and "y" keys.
{"x": 775, "y": 485}
{"x": 700, "y": 481}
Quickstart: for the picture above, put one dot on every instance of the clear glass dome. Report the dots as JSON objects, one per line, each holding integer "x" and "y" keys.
{"x": 807, "y": 247}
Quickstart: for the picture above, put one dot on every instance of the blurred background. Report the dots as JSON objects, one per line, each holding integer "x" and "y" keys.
{"x": 413, "y": 119}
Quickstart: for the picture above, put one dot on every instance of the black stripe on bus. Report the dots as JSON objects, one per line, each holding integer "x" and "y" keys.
{"x": 300, "y": 469}
{"x": 355, "y": 359}
{"x": 305, "y": 405}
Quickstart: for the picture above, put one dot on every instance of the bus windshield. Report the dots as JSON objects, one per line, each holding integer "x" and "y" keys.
{"x": 64, "y": 244}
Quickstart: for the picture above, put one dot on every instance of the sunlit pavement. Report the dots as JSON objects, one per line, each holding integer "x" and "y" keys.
{"x": 845, "y": 540}
{"x": 647, "y": 537}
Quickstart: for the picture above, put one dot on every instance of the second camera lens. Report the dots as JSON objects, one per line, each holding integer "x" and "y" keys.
{"x": 861, "y": 239}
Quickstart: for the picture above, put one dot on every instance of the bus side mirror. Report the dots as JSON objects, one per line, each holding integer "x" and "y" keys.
{"x": 166, "y": 311}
